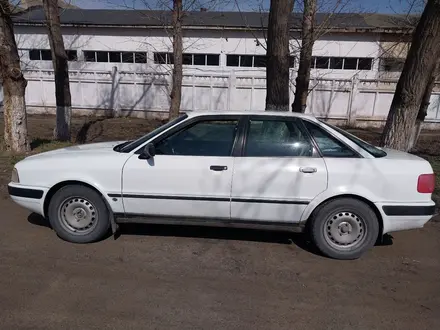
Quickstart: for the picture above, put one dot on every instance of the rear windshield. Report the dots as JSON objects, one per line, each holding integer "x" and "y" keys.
{"x": 372, "y": 150}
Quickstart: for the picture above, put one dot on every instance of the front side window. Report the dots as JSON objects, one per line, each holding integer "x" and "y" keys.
{"x": 327, "y": 144}
{"x": 205, "y": 138}
{"x": 276, "y": 138}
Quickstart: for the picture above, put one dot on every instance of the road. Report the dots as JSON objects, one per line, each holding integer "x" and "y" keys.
{"x": 155, "y": 277}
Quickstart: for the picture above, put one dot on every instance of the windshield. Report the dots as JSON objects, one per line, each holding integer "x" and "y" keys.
{"x": 372, "y": 150}
{"x": 136, "y": 143}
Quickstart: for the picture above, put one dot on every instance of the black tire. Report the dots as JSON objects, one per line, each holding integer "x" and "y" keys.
{"x": 340, "y": 221}
{"x": 85, "y": 208}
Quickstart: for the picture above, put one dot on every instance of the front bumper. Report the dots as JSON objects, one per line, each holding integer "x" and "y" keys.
{"x": 31, "y": 198}
{"x": 31, "y": 193}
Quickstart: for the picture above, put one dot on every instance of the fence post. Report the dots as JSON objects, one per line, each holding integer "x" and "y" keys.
{"x": 438, "y": 102}
{"x": 231, "y": 88}
{"x": 193, "y": 92}
{"x": 351, "y": 117}
{"x": 312, "y": 95}
{"x": 114, "y": 95}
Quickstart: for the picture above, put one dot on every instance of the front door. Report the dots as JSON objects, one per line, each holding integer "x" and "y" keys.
{"x": 190, "y": 175}
{"x": 279, "y": 172}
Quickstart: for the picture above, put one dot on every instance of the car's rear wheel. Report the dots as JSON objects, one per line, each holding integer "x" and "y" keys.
{"x": 78, "y": 214}
{"x": 344, "y": 228}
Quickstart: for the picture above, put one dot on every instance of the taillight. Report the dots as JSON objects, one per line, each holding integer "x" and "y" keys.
{"x": 426, "y": 183}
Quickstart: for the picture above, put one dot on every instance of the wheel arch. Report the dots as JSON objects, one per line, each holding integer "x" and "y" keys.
{"x": 353, "y": 196}
{"x": 65, "y": 183}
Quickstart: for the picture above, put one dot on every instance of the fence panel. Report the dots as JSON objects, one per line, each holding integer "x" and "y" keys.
{"x": 350, "y": 99}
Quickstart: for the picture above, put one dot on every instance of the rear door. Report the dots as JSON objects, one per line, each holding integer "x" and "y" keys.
{"x": 279, "y": 171}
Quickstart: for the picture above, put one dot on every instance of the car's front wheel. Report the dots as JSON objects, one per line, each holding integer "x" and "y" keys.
{"x": 78, "y": 214}
{"x": 344, "y": 228}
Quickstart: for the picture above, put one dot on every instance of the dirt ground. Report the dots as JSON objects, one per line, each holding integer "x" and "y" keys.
{"x": 158, "y": 277}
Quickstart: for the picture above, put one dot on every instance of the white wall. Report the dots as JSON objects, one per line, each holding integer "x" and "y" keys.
{"x": 197, "y": 41}
{"x": 340, "y": 94}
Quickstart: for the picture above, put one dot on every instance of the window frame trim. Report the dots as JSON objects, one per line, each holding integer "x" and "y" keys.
{"x": 133, "y": 53}
{"x": 40, "y": 50}
{"x": 89, "y": 51}
{"x": 291, "y": 58}
{"x": 344, "y": 58}
{"x": 168, "y": 62}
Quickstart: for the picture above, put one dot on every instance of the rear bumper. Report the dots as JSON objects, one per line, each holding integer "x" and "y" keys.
{"x": 30, "y": 198}
{"x": 405, "y": 210}
{"x": 398, "y": 217}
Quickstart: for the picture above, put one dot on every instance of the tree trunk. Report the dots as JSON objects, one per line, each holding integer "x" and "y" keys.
{"x": 277, "y": 70}
{"x": 423, "y": 111}
{"x": 14, "y": 85}
{"x": 305, "y": 58}
{"x": 61, "y": 69}
{"x": 176, "y": 89}
{"x": 419, "y": 66}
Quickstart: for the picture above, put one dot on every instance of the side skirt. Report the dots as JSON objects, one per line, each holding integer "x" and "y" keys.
{"x": 230, "y": 223}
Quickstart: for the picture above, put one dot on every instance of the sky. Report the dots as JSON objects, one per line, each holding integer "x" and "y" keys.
{"x": 376, "y": 6}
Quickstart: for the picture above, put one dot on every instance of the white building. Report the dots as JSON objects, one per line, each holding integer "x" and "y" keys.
{"x": 121, "y": 62}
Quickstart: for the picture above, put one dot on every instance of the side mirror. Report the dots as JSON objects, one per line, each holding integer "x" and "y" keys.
{"x": 149, "y": 151}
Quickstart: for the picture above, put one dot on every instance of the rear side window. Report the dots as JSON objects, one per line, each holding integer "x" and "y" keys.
{"x": 276, "y": 138}
{"x": 327, "y": 144}
{"x": 374, "y": 151}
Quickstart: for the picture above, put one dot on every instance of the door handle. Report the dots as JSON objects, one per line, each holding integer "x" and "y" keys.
{"x": 308, "y": 169}
{"x": 218, "y": 168}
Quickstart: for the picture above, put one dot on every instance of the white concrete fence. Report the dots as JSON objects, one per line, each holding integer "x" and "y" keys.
{"x": 356, "y": 101}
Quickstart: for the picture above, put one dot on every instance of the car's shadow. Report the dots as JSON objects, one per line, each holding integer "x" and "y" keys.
{"x": 237, "y": 234}
{"x": 221, "y": 233}
{"x": 38, "y": 220}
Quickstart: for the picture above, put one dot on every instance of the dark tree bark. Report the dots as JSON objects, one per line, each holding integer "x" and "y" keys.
{"x": 176, "y": 89}
{"x": 423, "y": 110}
{"x": 417, "y": 71}
{"x": 305, "y": 58}
{"x": 277, "y": 71}
{"x": 14, "y": 85}
{"x": 61, "y": 69}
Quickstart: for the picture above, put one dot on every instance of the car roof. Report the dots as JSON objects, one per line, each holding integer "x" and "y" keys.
{"x": 251, "y": 113}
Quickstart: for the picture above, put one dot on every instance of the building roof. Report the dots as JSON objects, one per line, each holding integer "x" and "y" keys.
{"x": 215, "y": 20}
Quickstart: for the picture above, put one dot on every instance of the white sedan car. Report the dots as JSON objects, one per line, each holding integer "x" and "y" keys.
{"x": 251, "y": 169}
